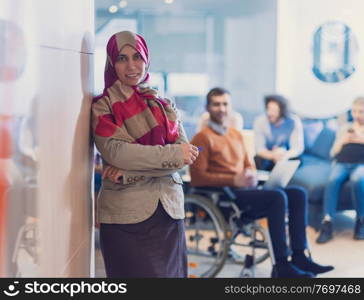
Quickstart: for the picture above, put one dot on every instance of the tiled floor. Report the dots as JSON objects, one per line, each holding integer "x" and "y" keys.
{"x": 343, "y": 252}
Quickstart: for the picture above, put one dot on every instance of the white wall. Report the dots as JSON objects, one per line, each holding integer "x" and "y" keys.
{"x": 54, "y": 92}
{"x": 250, "y": 43}
{"x": 297, "y": 22}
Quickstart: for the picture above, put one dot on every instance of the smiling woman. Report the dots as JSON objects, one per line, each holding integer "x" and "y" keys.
{"x": 143, "y": 145}
{"x": 130, "y": 66}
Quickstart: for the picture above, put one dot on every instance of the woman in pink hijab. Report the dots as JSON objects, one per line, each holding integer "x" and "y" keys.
{"x": 140, "y": 206}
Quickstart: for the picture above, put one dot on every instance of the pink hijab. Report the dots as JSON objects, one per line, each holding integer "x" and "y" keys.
{"x": 136, "y": 117}
{"x": 113, "y": 48}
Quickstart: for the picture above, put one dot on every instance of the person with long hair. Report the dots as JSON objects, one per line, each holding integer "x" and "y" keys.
{"x": 278, "y": 133}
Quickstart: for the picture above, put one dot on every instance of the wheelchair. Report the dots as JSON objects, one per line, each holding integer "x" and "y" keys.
{"x": 218, "y": 233}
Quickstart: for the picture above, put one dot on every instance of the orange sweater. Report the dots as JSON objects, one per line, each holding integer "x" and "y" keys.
{"x": 221, "y": 158}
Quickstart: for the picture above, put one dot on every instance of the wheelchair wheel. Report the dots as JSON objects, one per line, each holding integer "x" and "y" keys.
{"x": 246, "y": 273}
{"x": 207, "y": 245}
{"x": 242, "y": 240}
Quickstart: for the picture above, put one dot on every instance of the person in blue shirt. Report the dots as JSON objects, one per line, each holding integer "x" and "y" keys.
{"x": 278, "y": 134}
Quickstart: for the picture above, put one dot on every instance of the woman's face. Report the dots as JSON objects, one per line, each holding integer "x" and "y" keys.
{"x": 129, "y": 66}
{"x": 357, "y": 112}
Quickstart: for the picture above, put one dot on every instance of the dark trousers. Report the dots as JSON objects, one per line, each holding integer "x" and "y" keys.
{"x": 274, "y": 204}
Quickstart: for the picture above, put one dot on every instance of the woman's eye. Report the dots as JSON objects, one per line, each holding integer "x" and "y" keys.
{"x": 137, "y": 56}
{"x": 121, "y": 58}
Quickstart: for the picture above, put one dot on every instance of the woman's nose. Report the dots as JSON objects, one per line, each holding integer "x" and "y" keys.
{"x": 131, "y": 64}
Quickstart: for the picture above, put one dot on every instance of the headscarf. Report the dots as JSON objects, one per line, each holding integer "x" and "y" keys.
{"x": 132, "y": 114}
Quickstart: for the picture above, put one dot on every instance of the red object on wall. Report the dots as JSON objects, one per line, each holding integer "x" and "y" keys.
{"x": 5, "y": 154}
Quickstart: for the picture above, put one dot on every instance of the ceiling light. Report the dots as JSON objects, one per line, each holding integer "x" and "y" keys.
{"x": 168, "y": 1}
{"x": 123, "y": 3}
{"x": 113, "y": 9}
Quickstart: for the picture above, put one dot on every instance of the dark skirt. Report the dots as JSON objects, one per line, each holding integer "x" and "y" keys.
{"x": 153, "y": 248}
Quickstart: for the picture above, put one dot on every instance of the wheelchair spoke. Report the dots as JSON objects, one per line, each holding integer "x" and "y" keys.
{"x": 205, "y": 237}
{"x": 211, "y": 242}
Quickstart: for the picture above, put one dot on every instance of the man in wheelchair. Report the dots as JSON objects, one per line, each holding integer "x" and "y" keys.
{"x": 223, "y": 161}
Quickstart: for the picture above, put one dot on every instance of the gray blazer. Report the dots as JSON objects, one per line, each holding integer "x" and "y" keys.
{"x": 149, "y": 175}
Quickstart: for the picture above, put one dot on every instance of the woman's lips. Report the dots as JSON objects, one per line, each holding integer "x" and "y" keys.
{"x": 132, "y": 75}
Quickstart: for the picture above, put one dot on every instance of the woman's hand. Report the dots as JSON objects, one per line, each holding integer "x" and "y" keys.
{"x": 190, "y": 153}
{"x": 112, "y": 173}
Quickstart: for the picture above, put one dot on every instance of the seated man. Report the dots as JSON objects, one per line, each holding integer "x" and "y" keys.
{"x": 234, "y": 119}
{"x": 223, "y": 161}
{"x": 278, "y": 133}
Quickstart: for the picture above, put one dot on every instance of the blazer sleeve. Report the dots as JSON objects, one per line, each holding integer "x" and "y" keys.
{"x": 182, "y": 139}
